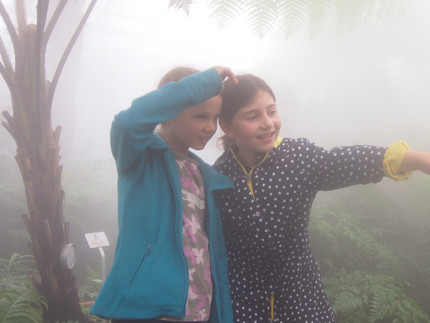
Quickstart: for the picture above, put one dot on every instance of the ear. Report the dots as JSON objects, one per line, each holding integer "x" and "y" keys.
{"x": 226, "y": 128}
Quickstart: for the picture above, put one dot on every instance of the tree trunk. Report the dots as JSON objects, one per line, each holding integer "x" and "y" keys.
{"x": 38, "y": 159}
{"x": 38, "y": 155}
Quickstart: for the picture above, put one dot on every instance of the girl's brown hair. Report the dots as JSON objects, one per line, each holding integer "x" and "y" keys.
{"x": 236, "y": 96}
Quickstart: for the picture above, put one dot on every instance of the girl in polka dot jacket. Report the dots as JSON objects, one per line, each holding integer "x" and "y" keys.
{"x": 273, "y": 274}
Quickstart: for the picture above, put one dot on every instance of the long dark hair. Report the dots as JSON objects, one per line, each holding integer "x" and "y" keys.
{"x": 236, "y": 96}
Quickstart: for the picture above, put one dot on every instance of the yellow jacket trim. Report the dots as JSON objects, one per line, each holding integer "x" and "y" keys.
{"x": 393, "y": 159}
{"x": 248, "y": 174}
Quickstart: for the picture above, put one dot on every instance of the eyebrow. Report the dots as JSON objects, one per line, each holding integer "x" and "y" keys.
{"x": 256, "y": 109}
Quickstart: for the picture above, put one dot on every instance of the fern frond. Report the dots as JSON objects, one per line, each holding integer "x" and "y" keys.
{"x": 224, "y": 12}
{"x": 350, "y": 13}
{"x": 318, "y": 12}
{"x": 181, "y": 5}
{"x": 291, "y": 15}
{"x": 20, "y": 304}
{"x": 17, "y": 265}
{"x": 261, "y": 15}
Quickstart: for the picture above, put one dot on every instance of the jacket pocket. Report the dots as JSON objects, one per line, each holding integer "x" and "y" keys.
{"x": 147, "y": 252}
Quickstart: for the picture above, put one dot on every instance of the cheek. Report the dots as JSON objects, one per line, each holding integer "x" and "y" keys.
{"x": 278, "y": 123}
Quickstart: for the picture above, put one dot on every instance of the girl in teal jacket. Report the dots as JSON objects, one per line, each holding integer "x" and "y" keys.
{"x": 170, "y": 260}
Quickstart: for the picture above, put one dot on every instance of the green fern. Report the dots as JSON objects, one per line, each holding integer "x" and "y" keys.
{"x": 224, "y": 12}
{"x": 261, "y": 16}
{"x": 291, "y": 15}
{"x": 21, "y": 304}
{"x": 365, "y": 297}
{"x": 19, "y": 299}
{"x": 181, "y": 5}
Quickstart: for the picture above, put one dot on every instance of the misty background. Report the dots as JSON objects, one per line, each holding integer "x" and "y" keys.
{"x": 366, "y": 85}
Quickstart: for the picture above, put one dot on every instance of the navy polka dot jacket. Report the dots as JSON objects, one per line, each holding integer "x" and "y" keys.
{"x": 273, "y": 274}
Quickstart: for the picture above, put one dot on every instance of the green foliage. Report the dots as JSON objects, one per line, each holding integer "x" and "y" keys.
{"x": 91, "y": 288}
{"x": 224, "y": 12}
{"x": 364, "y": 297}
{"x": 181, "y": 4}
{"x": 289, "y": 15}
{"x": 372, "y": 257}
{"x": 19, "y": 300}
{"x": 261, "y": 16}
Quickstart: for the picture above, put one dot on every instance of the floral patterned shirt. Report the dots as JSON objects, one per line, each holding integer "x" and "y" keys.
{"x": 195, "y": 241}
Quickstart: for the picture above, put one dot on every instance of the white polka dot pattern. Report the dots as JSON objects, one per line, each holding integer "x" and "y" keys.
{"x": 267, "y": 237}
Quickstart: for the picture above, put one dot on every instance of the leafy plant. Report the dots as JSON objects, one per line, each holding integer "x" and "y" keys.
{"x": 92, "y": 286}
{"x": 19, "y": 299}
{"x": 364, "y": 297}
{"x": 371, "y": 250}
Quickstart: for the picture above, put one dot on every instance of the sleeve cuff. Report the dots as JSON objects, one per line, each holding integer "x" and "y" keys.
{"x": 393, "y": 159}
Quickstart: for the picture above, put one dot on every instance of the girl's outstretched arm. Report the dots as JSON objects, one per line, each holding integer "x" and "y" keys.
{"x": 416, "y": 160}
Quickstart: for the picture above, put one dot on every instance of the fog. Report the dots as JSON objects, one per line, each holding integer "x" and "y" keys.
{"x": 367, "y": 85}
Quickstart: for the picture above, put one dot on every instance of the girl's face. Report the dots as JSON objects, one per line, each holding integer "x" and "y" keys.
{"x": 194, "y": 127}
{"x": 254, "y": 128}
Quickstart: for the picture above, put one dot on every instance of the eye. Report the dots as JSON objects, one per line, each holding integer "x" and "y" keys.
{"x": 252, "y": 117}
{"x": 200, "y": 116}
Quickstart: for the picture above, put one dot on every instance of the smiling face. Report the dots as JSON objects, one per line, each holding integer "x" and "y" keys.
{"x": 254, "y": 128}
{"x": 194, "y": 127}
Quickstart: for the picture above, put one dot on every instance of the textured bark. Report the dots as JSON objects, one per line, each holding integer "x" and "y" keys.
{"x": 38, "y": 156}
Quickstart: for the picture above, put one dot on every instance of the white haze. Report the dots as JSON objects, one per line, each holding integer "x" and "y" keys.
{"x": 368, "y": 85}
{"x": 364, "y": 86}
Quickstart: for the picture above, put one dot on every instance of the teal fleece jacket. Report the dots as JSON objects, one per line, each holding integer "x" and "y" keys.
{"x": 149, "y": 275}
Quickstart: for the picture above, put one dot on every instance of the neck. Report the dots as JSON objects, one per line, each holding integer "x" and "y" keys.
{"x": 247, "y": 161}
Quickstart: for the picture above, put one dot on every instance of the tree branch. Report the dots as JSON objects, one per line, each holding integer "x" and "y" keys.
{"x": 42, "y": 12}
{"x": 20, "y": 16}
{"x": 10, "y": 126}
{"x": 53, "y": 21}
{"x": 6, "y": 58}
{"x": 67, "y": 53}
{"x": 9, "y": 82}
{"x": 12, "y": 32}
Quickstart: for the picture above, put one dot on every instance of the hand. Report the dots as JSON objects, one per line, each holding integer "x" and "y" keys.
{"x": 416, "y": 160}
{"x": 226, "y": 73}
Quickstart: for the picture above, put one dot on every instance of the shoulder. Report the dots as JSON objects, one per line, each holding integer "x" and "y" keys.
{"x": 223, "y": 161}
{"x": 297, "y": 144}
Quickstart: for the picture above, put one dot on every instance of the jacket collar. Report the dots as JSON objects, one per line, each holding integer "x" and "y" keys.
{"x": 158, "y": 143}
{"x": 266, "y": 157}
{"x": 212, "y": 177}
{"x": 214, "y": 180}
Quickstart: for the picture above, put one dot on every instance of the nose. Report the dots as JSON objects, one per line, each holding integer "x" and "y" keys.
{"x": 211, "y": 126}
{"x": 266, "y": 122}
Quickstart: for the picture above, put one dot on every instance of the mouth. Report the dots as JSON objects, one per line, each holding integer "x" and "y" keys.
{"x": 266, "y": 136}
{"x": 205, "y": 138}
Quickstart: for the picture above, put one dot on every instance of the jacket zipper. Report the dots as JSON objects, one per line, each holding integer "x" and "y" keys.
{"x": 148, "y": 250}
{"x": 249, "y": 174}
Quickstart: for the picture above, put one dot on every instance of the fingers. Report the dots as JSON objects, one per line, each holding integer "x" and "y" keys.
{"x": 226, "y": 73}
